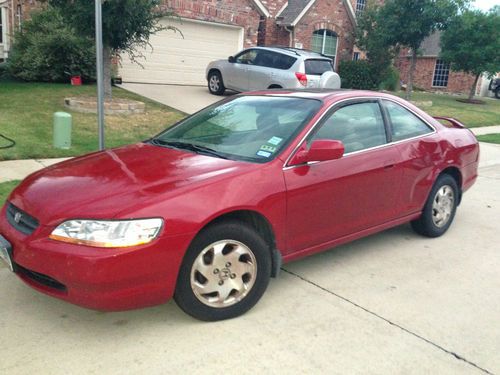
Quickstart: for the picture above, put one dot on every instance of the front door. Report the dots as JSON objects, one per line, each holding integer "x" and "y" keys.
{"x": 331, "y": 199}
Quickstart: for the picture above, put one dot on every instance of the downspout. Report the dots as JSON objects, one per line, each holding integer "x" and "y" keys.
{"x": 291, "y": 43}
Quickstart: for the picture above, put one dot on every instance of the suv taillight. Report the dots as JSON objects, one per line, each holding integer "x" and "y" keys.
{"x": 302, "y": 78}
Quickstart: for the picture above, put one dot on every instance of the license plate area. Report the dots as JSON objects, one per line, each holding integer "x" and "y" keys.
{"x": 6, "y": 252}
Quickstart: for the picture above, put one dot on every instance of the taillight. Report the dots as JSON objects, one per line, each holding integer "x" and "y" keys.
{"x": 302, "y": 78}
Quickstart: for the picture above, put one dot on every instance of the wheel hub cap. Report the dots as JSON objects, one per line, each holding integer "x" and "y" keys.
{"x": 223, "y": 273}
{"x": 442, "y": 207}
{"x": 214, "y": 83}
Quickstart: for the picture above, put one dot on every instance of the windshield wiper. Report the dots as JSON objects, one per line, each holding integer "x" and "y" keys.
{"x": 189, "y": 146}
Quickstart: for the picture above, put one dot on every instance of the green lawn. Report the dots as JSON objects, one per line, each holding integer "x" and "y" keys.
{"x": 26, "y": 113}
{"x": 5, "y": 189}
{"x": 472, "y": 115}
{"x": 491, "y": 138}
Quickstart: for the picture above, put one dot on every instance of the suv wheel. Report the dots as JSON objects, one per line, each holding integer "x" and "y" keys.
{"x": 497, "y": 93}
{"x": 215, "y": 83}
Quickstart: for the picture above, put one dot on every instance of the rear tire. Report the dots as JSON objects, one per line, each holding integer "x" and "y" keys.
{"x": 224, "y": 273}
{"x": 497, "y": 93}
{"x": 215, "y": 83}
{"x": 439, "y": 209}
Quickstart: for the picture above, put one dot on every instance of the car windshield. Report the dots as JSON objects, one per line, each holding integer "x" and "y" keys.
{"x": 250, "y": 128}
{"x": 318, "y": 67}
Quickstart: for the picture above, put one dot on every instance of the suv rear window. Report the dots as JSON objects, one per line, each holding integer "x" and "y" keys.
{"x": 318, "y": 67}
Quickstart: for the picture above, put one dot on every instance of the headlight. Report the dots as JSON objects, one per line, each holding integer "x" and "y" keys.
{"x": 108, "y": 233}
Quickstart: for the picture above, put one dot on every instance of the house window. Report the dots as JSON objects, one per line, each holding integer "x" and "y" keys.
{"x": 441, "y": 73}
{"x": 360, "y": 7}
{"x": 355, "y": 56}
{"x": 1, "y": 25}
{"x": 325, "y": 41}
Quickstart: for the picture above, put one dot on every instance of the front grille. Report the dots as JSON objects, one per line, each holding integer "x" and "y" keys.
{"x": 40, "y": 278}
{"x": 20, "y": 220}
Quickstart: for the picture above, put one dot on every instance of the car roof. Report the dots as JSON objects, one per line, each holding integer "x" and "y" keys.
{"x": 321, "y": 94}
{"x": 294, "y": 52}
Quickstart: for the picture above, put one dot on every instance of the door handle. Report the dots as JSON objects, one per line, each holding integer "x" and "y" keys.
{"x": 389, "y": 165}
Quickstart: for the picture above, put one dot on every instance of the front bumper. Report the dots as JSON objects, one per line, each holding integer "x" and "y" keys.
{"x": 97, "y": 278}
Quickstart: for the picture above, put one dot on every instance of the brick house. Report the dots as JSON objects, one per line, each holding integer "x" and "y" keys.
{"x": 431, "y": 73}
{"x": 213, "y": 29}
{"x": 12, "y": 14}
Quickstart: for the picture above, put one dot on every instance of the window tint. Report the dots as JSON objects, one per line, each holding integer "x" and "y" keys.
{"x": 404, "y": 123}
{"x": 317, "y": 67}
{"x": 359, "y": 126}
{"x": 274, "y": 60}
{"x": 247, "y": 57}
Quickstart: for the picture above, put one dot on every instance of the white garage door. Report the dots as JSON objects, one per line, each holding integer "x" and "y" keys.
{"x": 177, "y": 60}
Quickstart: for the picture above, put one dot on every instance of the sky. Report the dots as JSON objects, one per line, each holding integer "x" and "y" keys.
{"x": 485, "y": 4}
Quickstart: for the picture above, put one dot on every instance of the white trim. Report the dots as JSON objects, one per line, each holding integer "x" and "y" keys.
{"x": 262, "y": 9}
{"x": 5, "y": 39}
{"x": 282, "y": 9}
{"x": 350, "y": 10}
{"x": 304, "y": 11}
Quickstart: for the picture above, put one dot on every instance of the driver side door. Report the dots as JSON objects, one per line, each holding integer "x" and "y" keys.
{"x": 236, "y": 74}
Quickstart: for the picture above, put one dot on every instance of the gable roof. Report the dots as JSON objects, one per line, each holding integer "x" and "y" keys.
{"x": 431, "y": 46}
{"x": 296, "y": 9}
{"x": 261, "y": 8}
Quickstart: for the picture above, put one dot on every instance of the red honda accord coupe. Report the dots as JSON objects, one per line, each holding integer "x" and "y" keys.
{"x": 207, "y": 211}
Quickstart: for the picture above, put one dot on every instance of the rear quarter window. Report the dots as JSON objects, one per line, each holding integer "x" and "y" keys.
{"x": 318, "y": 67}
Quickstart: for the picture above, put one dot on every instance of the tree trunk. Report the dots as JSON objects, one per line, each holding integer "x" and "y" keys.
{"x": 473, "y": 88}
{"x": 411, "y": 72}
{"x": 107, "y": 73}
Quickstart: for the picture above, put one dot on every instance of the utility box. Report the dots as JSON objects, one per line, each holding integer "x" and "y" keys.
{"x": 62, "y": 130}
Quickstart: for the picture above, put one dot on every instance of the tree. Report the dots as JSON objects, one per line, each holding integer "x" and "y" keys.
{"x": 371, "y": 38}
{"x": 127, "y": 25}
{"x": 406, "y": 23}
{"x": 47, "y": 49}
{"x": 471, "y": 43}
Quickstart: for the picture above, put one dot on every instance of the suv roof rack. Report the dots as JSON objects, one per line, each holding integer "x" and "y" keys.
{"x": 295, "y": 50}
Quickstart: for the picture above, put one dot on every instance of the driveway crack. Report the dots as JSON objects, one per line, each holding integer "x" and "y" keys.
{"x": 428, "y": 341}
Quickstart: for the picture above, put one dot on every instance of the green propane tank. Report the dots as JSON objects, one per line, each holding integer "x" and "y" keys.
{"x": 62, "y": 130}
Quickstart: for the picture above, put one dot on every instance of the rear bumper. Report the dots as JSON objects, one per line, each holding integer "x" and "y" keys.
{"x": 97, "y": 278}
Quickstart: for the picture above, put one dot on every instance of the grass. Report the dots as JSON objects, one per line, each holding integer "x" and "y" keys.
{"x": 491, "y": 138}
{"x": 26, "y": 115}
{"x": 5, "y": 189}
{"x": 472, "y": 115}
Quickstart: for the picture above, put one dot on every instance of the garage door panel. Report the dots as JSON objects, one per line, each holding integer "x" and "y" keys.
{"x": 173, "y": 58}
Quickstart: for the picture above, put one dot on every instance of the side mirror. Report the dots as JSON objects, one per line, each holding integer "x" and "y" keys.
{"x": 320, "y": 150}
{"x": 231, "y": 59}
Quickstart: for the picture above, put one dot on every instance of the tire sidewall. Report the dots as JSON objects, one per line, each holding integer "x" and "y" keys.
{"x": 431, "y": 228}
{"x": 233, "y": 230}
{"x": 221, "y": 89}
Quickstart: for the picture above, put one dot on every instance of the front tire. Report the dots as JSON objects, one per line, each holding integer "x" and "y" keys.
{"x": 224, "y": 273}
{"x": 439, "y": 209}
{"x": 215, "y": 83}
{"x": 497, "y": 93}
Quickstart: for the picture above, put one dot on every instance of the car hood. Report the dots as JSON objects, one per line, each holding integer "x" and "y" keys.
{"x": 103, "y": 184}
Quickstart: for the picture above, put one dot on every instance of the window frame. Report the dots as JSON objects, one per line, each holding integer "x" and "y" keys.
{"x": 336, "y": 105}
{"x": 444, "y": 67}
{"x": 323, "y": 42}
{"x": 360, "y": 7}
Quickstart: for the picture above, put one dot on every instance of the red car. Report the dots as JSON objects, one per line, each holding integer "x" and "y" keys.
{"x": 207, "y": 211}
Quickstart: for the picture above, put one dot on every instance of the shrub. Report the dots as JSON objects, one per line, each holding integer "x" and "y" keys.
{"x": 48, "y": 50}
{"x": 391, "y": 80}
{"x": 358, "y": 75}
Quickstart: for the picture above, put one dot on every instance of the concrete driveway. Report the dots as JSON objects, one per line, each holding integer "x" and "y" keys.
{"x": 392, "y": 303}
{"x": 188, "y": 99}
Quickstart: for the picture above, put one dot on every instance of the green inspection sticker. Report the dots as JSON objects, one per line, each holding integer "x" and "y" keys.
{"x": 268, "y": 148}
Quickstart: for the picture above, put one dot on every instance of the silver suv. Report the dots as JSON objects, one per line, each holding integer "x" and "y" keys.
{"x": 259, "y": 68}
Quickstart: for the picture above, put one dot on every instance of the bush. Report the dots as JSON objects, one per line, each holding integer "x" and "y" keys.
{"x": 48, "y": 50}
{"x": 358, "y": 75}
{"x": 391, "y": 80}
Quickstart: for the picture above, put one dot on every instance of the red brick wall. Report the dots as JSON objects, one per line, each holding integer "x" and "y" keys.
{"x": 233, "y": 12}
{"x": 328, "y": 14}
{"x": 458, "y": 82}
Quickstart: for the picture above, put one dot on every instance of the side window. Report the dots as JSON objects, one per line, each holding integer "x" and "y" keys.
{"x": 247, "y": 57}
{"x": 359, "y": 126}
{"x": 265, "y": 58}
{"x": 404, "y": 123}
